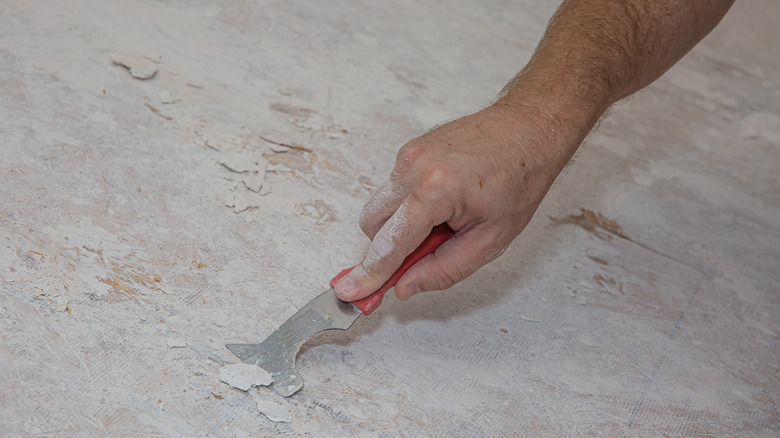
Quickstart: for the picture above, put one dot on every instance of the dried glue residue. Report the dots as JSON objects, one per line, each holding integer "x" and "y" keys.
{"x": 244, "y": 376}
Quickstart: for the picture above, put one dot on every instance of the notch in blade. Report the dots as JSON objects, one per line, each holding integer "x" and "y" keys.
{"x": 276, "y": 354}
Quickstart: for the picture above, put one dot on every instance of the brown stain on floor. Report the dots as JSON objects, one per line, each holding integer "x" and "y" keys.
{"x": 319, "y": 210}
{"x": 126, "y": 279}
{"x": 594, "y": 223}
{"x": 598, "y": 260}
{"x": 296, "y": 112}
{"x": 295, "y": 159}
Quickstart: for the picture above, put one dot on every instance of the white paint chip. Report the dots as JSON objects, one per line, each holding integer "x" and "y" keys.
{"x": 244, "y": 376}
{"x": 254, "y": 181}
{"x": 61, "y": 303}
{"x": 166, "y": 97}
{"x": 154, "y": 57}
{"x": 530, "y": 318}
{"x": 206, "y": 139}
{"x": 176, "y": 342}
{"x": 273, "y": 407}
{"x": 240, "y": 200}
{"x": 243, "y": 162}
{"x": 279, "y": 149}
{"x": 140, "y": 68}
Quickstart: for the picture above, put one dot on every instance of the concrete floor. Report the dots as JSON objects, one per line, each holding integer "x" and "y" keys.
{"x": 642, "y": 300}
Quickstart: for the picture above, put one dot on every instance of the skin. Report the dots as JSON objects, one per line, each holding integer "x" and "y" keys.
{"x": 486, "y": 174}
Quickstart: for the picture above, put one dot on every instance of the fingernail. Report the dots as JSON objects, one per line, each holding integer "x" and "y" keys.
{"x": 345, "y": 287}
{"x": 410, "y": 291}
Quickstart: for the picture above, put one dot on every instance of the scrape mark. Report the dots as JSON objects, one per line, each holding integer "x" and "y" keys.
{"x": 594, "y": 223}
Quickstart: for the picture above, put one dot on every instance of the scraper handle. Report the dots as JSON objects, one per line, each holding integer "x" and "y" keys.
{"x": 439, "y": 234}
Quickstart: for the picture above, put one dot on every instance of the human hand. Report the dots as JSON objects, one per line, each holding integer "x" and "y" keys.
{"x": 484, "y": 175}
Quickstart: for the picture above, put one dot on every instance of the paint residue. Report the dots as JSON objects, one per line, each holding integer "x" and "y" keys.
{"x": 252, "y": 167}
{"x": 594, "y": 223}
{"x": 244, "y": 376}
{"x": 241, "y": 162}
{"x": 273, "y": 407}
{"x": 139, "y": 67}
{"x": 166, "y": 97}
{"x": 176, "y": 342}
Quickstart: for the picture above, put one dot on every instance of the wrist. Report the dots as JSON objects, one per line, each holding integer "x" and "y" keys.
{"x": 557, "y": 121}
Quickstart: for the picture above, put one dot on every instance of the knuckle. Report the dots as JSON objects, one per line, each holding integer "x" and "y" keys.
{"x": 433, "y": 187}
{"x": 435, "y": 177}
{"x": 408, "y": 155}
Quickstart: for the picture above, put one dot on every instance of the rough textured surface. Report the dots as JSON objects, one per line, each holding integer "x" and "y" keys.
{"x": 651, "y": 267}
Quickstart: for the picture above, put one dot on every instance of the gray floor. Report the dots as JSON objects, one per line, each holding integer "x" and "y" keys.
{"x": 642, "y": 300}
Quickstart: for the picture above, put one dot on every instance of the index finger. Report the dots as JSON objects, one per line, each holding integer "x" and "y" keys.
{"x": 406, "y": 229}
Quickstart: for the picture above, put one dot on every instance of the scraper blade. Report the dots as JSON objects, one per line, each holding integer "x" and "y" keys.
{"x": 276, "y": 354}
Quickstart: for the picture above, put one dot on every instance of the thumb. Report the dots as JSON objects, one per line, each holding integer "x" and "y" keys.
{"x": 397, "y": 238}
{"x": 452, "y": 262}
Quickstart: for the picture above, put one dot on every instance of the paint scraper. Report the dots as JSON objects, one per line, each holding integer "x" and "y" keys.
{"x": 277, "y": 353}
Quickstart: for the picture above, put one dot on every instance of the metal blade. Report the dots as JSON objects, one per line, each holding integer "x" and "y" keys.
{"x": 277, "y": 353}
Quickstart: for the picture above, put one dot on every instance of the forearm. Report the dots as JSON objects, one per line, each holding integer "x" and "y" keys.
{"x": 596, "y": 52}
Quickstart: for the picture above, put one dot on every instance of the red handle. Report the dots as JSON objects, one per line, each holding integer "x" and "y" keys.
{"x": 439, "y": 234}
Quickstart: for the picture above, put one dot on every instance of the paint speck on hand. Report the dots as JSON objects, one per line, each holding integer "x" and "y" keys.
{"x": 244, "y": 376}
{"x": 176, "y": 342}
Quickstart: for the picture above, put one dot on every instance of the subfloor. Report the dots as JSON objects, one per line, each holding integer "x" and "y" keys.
{"x": 642, "y": 300}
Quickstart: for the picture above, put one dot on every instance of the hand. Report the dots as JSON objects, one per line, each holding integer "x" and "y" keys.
{"x": 484, "y": 175}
